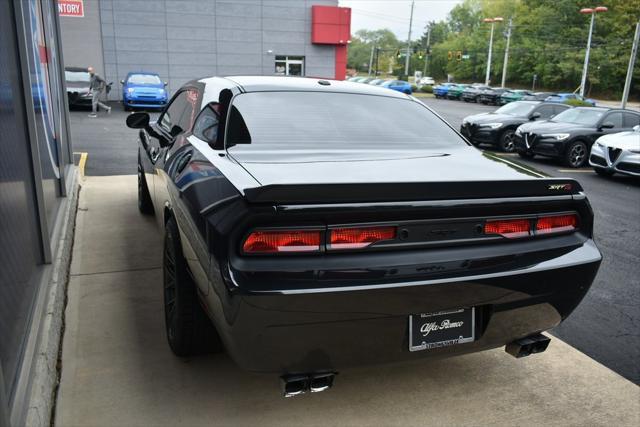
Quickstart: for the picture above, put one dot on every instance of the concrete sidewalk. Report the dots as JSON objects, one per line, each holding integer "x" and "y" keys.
{"x": 117, "y": 368}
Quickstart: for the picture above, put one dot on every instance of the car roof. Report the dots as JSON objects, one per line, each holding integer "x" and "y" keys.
{"x": 145, "y": 73}
{"x": 302, "y": 84}
{"x": 85, "y": 69}
{"x": 597, "y": 108}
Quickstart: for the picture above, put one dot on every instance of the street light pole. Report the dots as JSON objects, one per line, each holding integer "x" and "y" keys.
{"x": 492, "y": 21}
{"x": 426, "y": 53}
{"x": 506, "y": 54}
{"x": 373, "y": 48}
{"x": 632, "y": 61}
{"x": 406, "y": 62}
{"x": 593, "y": 12}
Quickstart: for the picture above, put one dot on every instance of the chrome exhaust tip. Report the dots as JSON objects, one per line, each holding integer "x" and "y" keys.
{"x": 295, "y": 385}
{"x": 527, "y": 346}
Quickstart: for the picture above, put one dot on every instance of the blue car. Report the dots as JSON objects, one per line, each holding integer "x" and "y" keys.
{"x": 564, "y": 97}
{"x": 143, "y": 90}
{"x": 442, "y": 90}
{"x": 399, "y": 85}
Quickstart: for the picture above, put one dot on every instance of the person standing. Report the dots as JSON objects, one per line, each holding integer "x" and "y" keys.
{"x": 96, "y": 85}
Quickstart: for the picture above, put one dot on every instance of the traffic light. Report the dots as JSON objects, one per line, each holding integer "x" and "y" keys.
{"x": 420, "y": 54}
{"x": 459, "y": 55}
{"x": 450, "y": 55}
{"x": 398, "y": 53}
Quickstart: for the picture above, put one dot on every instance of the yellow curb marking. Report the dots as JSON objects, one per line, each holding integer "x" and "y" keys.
{"x": 82, "y": 163}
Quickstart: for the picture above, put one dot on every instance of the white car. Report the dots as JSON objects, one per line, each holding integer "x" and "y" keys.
{"x": 426, "y": 81}
{"x": 617, "y": 152}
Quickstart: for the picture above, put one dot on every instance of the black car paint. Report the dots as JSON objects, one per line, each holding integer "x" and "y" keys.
{"x": 473, "y": 130}
{"x": 310, "y": 313}
{"x": 549, "y": 147}
{"x": 491, "y": 95}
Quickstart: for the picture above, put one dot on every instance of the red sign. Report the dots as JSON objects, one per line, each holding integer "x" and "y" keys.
{"x": 71, "y": 8}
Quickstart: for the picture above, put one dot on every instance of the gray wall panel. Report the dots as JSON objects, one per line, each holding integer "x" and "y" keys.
{"x": 185, "y": 39}
{"x": 82, "y": 38}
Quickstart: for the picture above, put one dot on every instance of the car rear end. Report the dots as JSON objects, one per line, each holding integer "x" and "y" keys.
{"x": 388, "y": 249}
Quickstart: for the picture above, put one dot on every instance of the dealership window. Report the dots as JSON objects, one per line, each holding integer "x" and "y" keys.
{"x": 289, "y": 65}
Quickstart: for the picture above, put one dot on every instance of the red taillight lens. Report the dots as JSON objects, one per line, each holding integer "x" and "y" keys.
{"x": 358, "y": 238}
{"x": 263, "y": 242}
{"x": 557, "y": 224}
{"x": 511, "y": 228}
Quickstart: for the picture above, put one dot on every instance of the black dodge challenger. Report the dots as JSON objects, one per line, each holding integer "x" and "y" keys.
{"x": 312, "y": 225}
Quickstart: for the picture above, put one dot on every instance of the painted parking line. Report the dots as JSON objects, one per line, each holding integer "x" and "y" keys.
{"x": 577, "y": 170}
{"x": 82, "y": 163}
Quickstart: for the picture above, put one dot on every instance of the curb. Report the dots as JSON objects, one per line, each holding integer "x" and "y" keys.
{"x": 44, "y": 374}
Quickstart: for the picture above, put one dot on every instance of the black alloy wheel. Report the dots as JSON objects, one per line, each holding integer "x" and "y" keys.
{"x": 507, "y": 141}
{"x": 189, "y": 330}
{"x": 576, "y": 154}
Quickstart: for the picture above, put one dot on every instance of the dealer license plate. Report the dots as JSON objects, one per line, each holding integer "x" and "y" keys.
{"x": 442, "y": 329}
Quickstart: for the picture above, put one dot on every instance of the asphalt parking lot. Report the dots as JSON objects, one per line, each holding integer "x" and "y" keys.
{"x": 606, "y": 326}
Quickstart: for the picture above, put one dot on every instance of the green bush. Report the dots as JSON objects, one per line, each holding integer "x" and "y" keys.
{"x": 414, "y": 88}
{"x": 577, "y": 103}
{"x": 427, "y": 89}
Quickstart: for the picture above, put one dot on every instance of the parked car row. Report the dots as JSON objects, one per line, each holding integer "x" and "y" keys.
{"x": 397, "y": 85}
{"x": 480, "y": 93}
{"x": 140, "y": 89}
{"x": 606, "y": 138}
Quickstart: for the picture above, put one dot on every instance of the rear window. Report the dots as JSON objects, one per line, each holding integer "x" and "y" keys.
{"x": 313, "y": 120}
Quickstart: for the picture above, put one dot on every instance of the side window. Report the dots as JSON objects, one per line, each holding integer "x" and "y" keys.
{"x": 545, "y": 111}
{"x": 615, "y": 118}
{"x": 631, "y": 120}
{"x": 181, "y": 112}
{"x": 557, "y": 109}
{"x": 206, "y": 126}
{"x": 173, "y": 113}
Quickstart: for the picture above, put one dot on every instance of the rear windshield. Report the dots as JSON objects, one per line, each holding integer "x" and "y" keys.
{"x": 313, "y": 120}
{"x": 77, "y": 76}
{"x": 144, "y": 79}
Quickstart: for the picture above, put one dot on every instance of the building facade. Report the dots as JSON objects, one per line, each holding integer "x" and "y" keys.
{"x": 186, "y": 39}
{"x": 37, "y": 184}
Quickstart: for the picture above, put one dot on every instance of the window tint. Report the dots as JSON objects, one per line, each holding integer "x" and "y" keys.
{"x": 206, "y": 125}
{"x": 142, "y": 79}
{"x": 313, "y": 120}
{"x": 181, "y": 111}
{"x": 546, "y": 111}
{"x": 631, "y": 120}
{"x": 615, "y": 118}
{"x": 557, "y": 109}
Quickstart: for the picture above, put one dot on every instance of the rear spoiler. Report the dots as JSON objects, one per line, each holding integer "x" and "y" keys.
{"x": 410, "y": 191}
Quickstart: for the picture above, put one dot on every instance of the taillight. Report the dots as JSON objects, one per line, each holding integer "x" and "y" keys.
{"x": 276, "y": 241}
{"x": 511, "y": 228}
{"x": 359, "y": 237}
{"x": 556, "y": 224}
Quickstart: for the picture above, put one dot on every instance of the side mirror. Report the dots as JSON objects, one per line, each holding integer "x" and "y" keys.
{"x": 138, "y": 120}
{"x": 535, "y": 116}
{"x": 121, "y": 82}
{"x": 607, "y": 125}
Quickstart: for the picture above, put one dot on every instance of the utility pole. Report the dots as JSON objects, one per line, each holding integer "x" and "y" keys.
{"x": 506, "y": 53}
{"x": 406, "y": 63}
{"x": 373, "y": 47}
{"x": 426, "y": 54}
{"x": 632, "y": 62}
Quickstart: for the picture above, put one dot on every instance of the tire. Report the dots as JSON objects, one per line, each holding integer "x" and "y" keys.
{"x": 145, "y": 205}
{"x": 507, "y": 143}
{"x": 526, "y": 154}
{"x": 576, "y": 154}
{"x": 603, "y": 171}
{"x": 189, "y": 330}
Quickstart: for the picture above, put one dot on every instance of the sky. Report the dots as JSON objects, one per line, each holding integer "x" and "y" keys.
{"x": 394, "y": 14}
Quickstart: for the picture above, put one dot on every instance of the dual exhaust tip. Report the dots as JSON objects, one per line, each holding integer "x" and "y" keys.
{"x": 294, "y": 385}
{"x": 527, "y": 346}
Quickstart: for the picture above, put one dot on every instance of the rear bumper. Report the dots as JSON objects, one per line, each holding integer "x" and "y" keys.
{"x": 329, "y": 329}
